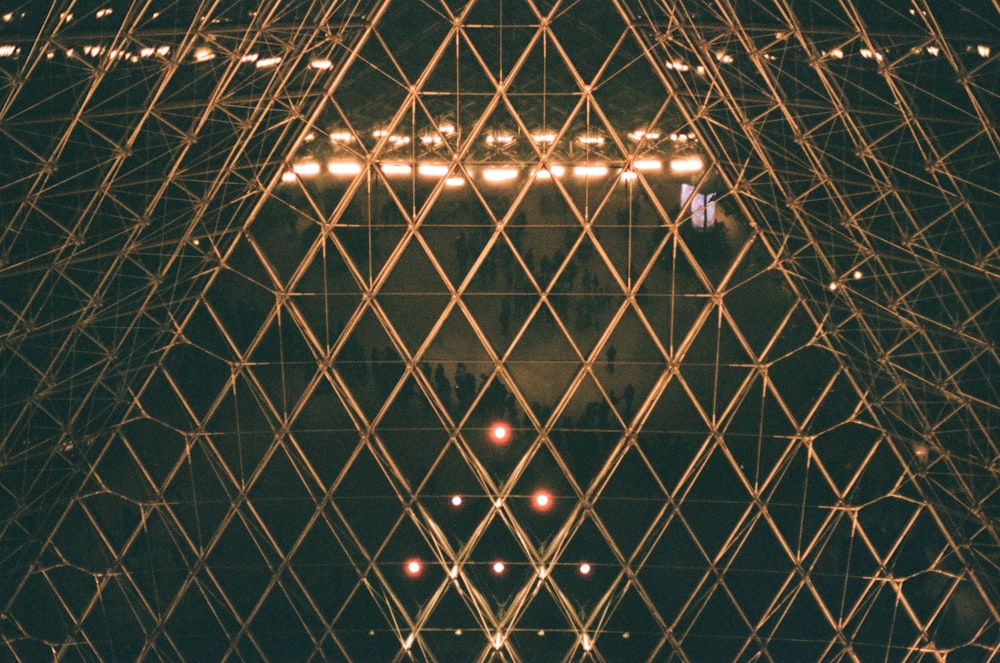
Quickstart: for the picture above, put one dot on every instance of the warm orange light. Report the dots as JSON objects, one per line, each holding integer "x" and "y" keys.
{"x": 500, "y": 433}
{"x": 414, "y": 568}
{"x": 541, "y": 500}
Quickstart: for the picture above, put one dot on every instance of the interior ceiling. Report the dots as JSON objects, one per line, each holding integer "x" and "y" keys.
{"x": 240, "y": 397}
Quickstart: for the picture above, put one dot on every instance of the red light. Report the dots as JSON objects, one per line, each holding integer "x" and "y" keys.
{"x": 585, "y": 569}
{"x": 414, "y": 568}
{"x": 541, "y": 500}
{"x": 500, "y": 433}
{"x": 499, "y": 567}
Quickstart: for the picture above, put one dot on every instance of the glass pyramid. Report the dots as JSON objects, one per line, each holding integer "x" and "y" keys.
{"x": 507, "y": 330}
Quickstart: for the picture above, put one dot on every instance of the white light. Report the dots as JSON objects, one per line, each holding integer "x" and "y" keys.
{"x": 306, "y": 168}
{"x": 648, "y": 164}
{"x": 837, "y": 53}
{"x": 250, "y": 57}
{"x": 586, "y": 643}
{"x": 380, "y": 133}
{"x": 447, "y": 129}
{"x": 629, "y": 175}
{"x": 677, "y": 65}
{"x": 548, "y": 172}
{"x": 399, "y": 141}
{"x": 591, "y": 139}
{"x": 321, "y": 64}
{"x": 542, "y": 573}
{"x": 310, "y": 137}
{"x": 833, "y": 286}
{"x": 432, "y": 169}
{"x": 7, "y": 50}
{"x": 453, "y": 573}
{"x": 288, "y": 176}
{"x": 267, "y": 62}
{"x": 396, "y": 169}
{"x": 456, "y": 500}
{"x": 544, "y": 137}
{"x": 163, "y": 51}
{"x": 66, "y": 16}
{"x": 147, "y": 52}
{"x": 499, "y": 139}
{"x": 498, "y": 503}
{"x": 933, "y": 50}
{"x": 409, "y": 642}
{"x": 869, "y": 54}
{"x": 590, "y": 171}
{"x": 8, "y": 17}
{"x": 585, "y": 569}
{"x": 203, "y": 54}
{"x": 499, "y": 174}
{"x": 687, "y": 165}
{"x": 856, "y": 274}
{"x": 101, "y": 13}
{"x": 343, "y": 167}
{"x": 341, "y": 137}
{"x": 497, "y": 641}
{"x": 499, "y": 567}
{"x": 983, "y": 50}
{"x": 644, "y": 135}
{"x": 724, "y": 58}
{"x": 430, "y": 139}
{"x": 454, "y": 181}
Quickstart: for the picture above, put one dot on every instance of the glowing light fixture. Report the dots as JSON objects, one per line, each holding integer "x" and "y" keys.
{"x": 629, "y": 175}
{"x": 857, "y": 274}
{"x": 264, "y": 63}
{"x": 454, "y": 181}
{"x": 548, "y": 172}
{"x": 687, "y": 165}
{"x": 344, "y": 167}
{"x": 396, "y": 169}
{"x": 498, "y": 568}
{"x": 500, "y": 432}
{"x": 546, "y": 137}
{"x": 341, "y": 137}
{"x": 644, "y": 135}
{"x": 590, "y": 171}
{"x": 306, "y": 168}
{"x": 648, "y": 164}
{"x": 414, "y": 568}
{"x": 541, "y": 500}
{"x": 456, "y": 500}
{"x": 585, "y": 569}
{"x": 288, "y": 176}
{"x": 499, "y": 174}
{"x": 203, "y": 54}
{"x": 322, "y": 65}
{"x": 432, "y": 169}
{"x": 983, "y": 50}
{"x": 590, "y": 139}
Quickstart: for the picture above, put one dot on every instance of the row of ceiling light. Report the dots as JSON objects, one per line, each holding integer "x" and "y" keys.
{"x": 309, "y": 168}
{"x": 499, "y": 138}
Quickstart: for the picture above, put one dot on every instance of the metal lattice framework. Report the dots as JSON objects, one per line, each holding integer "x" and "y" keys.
{"x": 274, "y": 272}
